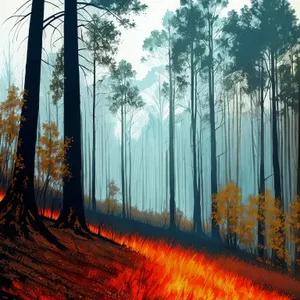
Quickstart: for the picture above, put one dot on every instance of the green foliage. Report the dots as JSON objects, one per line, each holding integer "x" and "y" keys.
{"x": 265, "y": 26}
{"x": 159, "y": 43}
{"x": 124, "y": 93}
{"x": 277, "y": 24}
{"x": 189, "y": 24}
{"x": 57, "y": 80}
{"x": 119, "y": 9}
{"x": 157, "y": 39}
{"x": 103, "y": 38}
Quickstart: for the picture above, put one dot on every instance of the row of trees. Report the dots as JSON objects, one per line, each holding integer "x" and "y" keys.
{"x": 18, "y": 208}
{"x": 210, "y": 69}
{"x": 238, "y": 222}
{"x": 253, "y": 55}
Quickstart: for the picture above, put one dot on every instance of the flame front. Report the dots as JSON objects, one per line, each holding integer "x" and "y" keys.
{"x": 2, "y": 194}
{"x": 173, "y": 272}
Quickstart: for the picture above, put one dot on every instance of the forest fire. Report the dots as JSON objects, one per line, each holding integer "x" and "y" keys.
{"x": 2, "y": 194}
{"x": 172, "y": 272}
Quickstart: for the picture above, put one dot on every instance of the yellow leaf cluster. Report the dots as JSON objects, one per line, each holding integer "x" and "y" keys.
{"x": 276, "y": 226}
{"x": 248, "y": 223}
{"x": 51, "y": 155}
{"x": 10, "y": 114}
{"x": 293, "y": 221}
{"x": 9, "y": 128}
{"x": 228, "y": 211}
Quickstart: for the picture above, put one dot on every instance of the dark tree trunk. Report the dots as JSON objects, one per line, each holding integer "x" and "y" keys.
{"x": 275, "y": 155}
{"x": 214, "y": 181}
{"x": 297, "y": 245}
{"x": 89, "y": 171}
{"x": 261, "y": 214}
{"x": 289, "y": 164}
{"x": 18, "y": 209}
{"x": 122, "y": 164}
{"x": 167, "y": 178}
{"x": 197, "y": 212}
{"x": 229, "y": 141}
{"x": 94, "y": 138}
{"x": 86, "y": 162}
{"x": 72, "y": 214}
{"x": 171, "y": 141}
{"x": 125, "y": 160}
{"x": 38, "y": 161}
{"x": 130, "y": 174}
{"x": 225, "y": 138}
{"x": 252, "y": 146}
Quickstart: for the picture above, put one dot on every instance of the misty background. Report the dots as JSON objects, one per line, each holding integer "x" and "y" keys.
{"x": 149, "y": 125}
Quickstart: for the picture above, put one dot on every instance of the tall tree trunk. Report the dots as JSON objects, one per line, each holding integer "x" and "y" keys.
{"x": 161, "y": 148}
{"x": 284, "y": 153}
{"x": 125, "y": 161}
{"x": 86, "y": 162}
{"x": 237, "y": 138}
{"x": 229, "y": 141}
{"x": 82, "y": 161}
{"x": 297, "y": 245}
{"x": 275, "y": 155}
{"x": 199, "y": 227}
{"x": 214, "y": 181}
{"x": 18, "y": 209}
{"x": 122, "y": 164}
{"x": 194, "y": 152}
{"x": 38, "y": 160}
{"x": 225, "y": 139}
{"x": 57, "y": 122}
{"x": 94, "y": 138}
{"x": 261, "y": 213}
{"x": 167, "y": 179}
{"x": 130, "y": 174}
{"x": 252, "y": 146}
{"x": 289, "y": 165}
{"x": 201, "y": 177}
{"x": 89, "y": 171}
{"x": 72, "y": 214}
{"x": 239, "y": 130}
{"x": 171, "y": 140}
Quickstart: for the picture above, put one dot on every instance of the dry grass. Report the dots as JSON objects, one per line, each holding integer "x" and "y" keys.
{"x": 93, "y": 268}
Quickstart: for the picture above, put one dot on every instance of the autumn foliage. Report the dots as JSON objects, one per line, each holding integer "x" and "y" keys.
{"x": 51, "y": 166}
{"x": 9, "y": 129}
{"x": 238, "y": 222}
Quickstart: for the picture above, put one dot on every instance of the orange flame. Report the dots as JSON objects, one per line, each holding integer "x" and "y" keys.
{"x": 174, "y": 272}
{"x": 48, "y": 213}
{"x": 2, "y": 195}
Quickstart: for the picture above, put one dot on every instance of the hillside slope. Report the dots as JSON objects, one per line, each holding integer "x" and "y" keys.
{"x": 32, "y": 269}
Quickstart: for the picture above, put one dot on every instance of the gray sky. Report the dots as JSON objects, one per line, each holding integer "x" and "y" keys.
{"x": 132, "y": 40}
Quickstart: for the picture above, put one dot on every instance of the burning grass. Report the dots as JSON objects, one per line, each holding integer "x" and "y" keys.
{"x": 178, "y": 273}
{"x": 97, "y": 269}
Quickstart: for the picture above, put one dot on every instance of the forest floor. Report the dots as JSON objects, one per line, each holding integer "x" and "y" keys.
{"x": 96, "y": 268}
{"x": 36, "y": 269}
